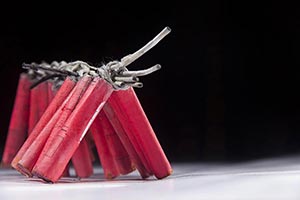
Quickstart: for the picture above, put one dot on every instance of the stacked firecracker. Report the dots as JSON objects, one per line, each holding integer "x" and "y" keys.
{"x": 62, "y": 110}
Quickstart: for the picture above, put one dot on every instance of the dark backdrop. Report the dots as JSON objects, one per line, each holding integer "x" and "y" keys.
{"x": 228, "y": 87}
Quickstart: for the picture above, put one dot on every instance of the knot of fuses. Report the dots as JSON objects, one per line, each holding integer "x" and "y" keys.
{"x": 113, "y": 72}
{"x": 62, "y": 110}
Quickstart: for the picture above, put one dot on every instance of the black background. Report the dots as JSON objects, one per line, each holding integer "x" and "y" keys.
{"x": 229, "y": 84}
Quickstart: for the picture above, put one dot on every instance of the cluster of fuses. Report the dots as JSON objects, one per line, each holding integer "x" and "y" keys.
{"x": 53, "y": 128}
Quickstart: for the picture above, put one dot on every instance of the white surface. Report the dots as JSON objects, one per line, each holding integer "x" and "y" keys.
{"x": 263, "y": 179}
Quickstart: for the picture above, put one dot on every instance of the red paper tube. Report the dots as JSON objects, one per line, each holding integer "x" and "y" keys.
{"x": 130, "y": 113}
{"x": 79, "y": 91}
{"x": 60, "y": 147}
{"x": 82, "y": 160}
{"x": 106, "y": 159}
{"x": 42, "y": 99}
{"x": 117, "y": 150}
{"x": 51, "y": 92}
{"x": 113, "y": 118}
{"x": 91, "y": 143}
{"x": 33, "y": 108}
{"x": 62, "y": 94}
{"x": 17, "y": 131}
{"x": 119, "y": 153}
{"x": 30, "y": 157}
{"x": 58, "y": 100}
{"x": 38, "y": 104}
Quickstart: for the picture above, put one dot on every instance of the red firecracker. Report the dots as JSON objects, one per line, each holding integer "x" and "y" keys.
{"x": 60, "y": 146}
{"x": 18, "y": 127}
{"x": 66, "y": 123}
{"x": 36, "y": 140}
{"x": 126, "y": 107}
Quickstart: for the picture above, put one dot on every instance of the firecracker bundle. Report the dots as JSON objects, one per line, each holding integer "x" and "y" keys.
{"x": 62, "y": 110}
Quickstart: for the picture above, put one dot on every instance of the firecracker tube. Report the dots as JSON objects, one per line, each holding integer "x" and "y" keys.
{"x": 38, "y": 136}
{"x": 17, "y": 131}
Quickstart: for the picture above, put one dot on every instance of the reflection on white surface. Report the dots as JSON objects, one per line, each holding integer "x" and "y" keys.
{"x": 262, "y": 179}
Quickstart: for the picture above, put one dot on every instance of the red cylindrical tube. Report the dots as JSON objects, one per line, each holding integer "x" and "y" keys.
{"x": 130, "y": 113}
{"x": 106, "y": 159}
{"x": 82, "y": 160}
{"x": 51, "y": 92}
{"x": 91, "y": 143}
{"x": 60, "y": 147}
{"x": 62, "y": 94}
{"x": 113, "y": 118}
{"x": 42, "y": 99}
{"x": 33, "y": 108}
{"x": 118, "y": 152}
{"x": 17, "y": 131}
{"x": 29, "y": 158}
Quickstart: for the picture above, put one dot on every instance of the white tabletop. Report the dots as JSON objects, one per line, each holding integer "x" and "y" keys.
{"x": 261, "y": 179}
